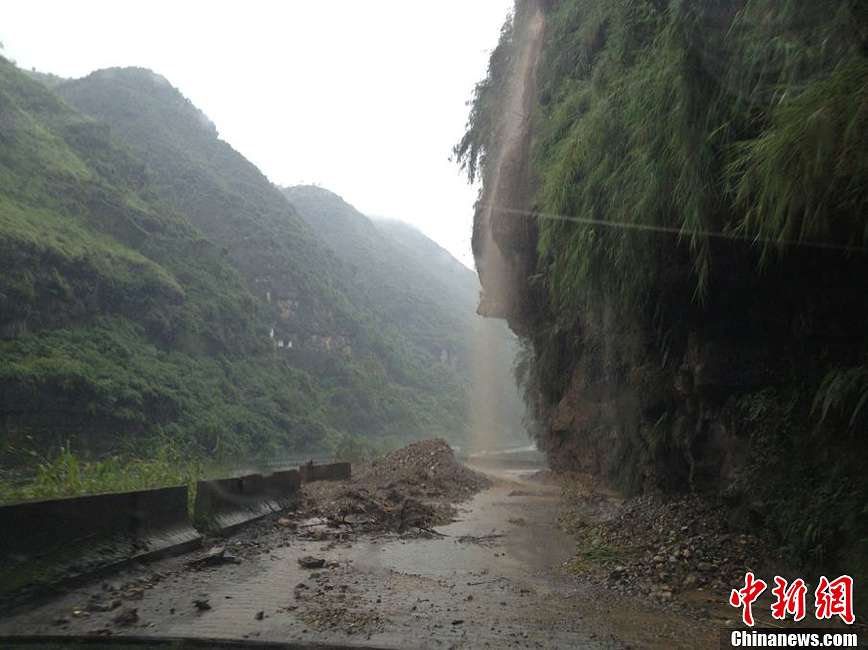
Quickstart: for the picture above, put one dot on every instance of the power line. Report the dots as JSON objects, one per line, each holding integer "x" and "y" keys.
{"x": 628, "y": 225}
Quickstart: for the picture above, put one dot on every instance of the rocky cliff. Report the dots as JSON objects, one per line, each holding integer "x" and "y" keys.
{"x": 673, "y": 218}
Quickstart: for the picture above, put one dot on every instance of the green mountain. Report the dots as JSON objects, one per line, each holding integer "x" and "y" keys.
{"x": 460, "y": 283}
{"x": 121, "y": 325}
{"x": 432, "y": 309}
{"x": 371, "y": 380}
{"x": 432, "y": 298}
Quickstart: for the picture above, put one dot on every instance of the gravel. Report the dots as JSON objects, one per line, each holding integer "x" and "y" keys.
{"x": 660, "y": 546}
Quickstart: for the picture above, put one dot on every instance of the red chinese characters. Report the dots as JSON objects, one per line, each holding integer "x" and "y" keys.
{"x": 745, "y": 597}
{"x": 835, "y": 599}
{"x": 790, "y": 600}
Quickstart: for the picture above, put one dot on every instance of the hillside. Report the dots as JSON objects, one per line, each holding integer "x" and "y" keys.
{"x": 431, "y": 297}
{"x": 122, "y": 328}
{"x": 372, "y": 381}
{"x": 460, "y": 283}
{"x": 674, "y": 219}
{"x": 431, "y": 308}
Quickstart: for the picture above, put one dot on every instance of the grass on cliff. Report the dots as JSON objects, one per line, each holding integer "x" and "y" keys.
{"x": 701, "y": 120}
{"x": 745, "y": 120}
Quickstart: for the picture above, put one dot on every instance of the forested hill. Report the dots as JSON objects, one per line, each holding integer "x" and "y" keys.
{"x": 121, "y": 326}
{"x": 374, "y": 382}
{"x": 674, "y": 217}
{"x": 460, "y": 283}
{"x": 433, "y": 308}
{"x": 158, "y": 291}
{"x": 430, "y": 295}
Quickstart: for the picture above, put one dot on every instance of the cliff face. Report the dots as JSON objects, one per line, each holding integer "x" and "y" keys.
{"x": 673, "y": 219}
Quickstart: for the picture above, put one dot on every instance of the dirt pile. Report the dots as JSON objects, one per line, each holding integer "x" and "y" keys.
{"x": 426, "y": 469}
{"x": 410, "y": 489}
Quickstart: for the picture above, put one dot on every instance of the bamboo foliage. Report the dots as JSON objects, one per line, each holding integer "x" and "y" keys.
{"x": 706, "y": 118}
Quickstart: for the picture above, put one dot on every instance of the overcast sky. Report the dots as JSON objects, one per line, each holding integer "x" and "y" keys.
{"x": 365, "y": 98}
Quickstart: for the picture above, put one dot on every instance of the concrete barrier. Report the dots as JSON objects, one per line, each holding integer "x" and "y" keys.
{"x": 225, "y": 504}
{"x": 330, "y": 472}
{"x": 285, "y": 484}
{"x": 47, "y": 544}
{"x": 44, "y": 544}
{"x": 154, "y": 518}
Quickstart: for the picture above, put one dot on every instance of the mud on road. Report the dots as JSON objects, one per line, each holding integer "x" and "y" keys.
{"x": 496, "y": 574}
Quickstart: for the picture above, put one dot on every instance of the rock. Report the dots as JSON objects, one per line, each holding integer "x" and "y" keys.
{"x": 260, "y": 615}
{"x": 213, "y": 557}
{"x": 310, "y": 562}
{"x": 202, "y": 605}
{"x": 102, "y": 631}
{"x": 126, "y": 616}
{"x": 104, "y": 607}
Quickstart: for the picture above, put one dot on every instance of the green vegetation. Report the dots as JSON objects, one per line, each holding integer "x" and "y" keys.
{"x": 694, "y": 119}
{"x": 429, "y": 296}
{"x": 121, "y": 324}
{"x": 678, "y": 117}
{"x": 66, "y": 475}
{"x": 702, "y": 185}
{"x": 369, "y": 378}
{"x": 157, "y": 287}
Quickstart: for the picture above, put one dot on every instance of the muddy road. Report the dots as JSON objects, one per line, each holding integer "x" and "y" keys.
{"x": 495, "y": 576}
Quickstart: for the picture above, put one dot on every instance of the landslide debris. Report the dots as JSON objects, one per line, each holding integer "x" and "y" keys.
{"x": 408, "y": 489}
{"x": 330, "y": 603}
{"x": 660, "y": 546}
{"x": 425, "y": 469}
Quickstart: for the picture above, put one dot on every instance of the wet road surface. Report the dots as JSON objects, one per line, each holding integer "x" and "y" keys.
{"x": 495, "y": 578}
